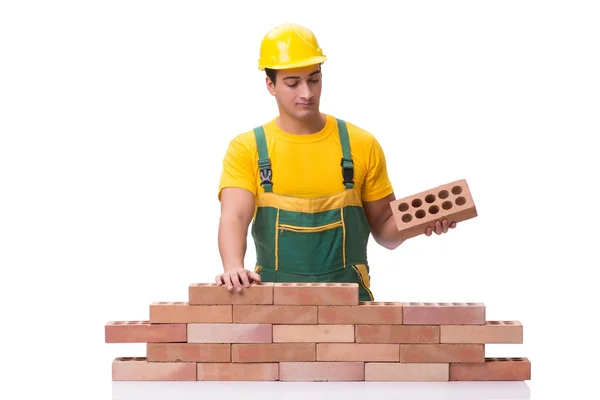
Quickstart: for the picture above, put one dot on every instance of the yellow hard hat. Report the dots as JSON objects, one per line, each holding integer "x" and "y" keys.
{"x": 289, "y": 46}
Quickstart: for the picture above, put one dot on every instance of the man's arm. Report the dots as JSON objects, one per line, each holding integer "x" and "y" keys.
{"x": 237, "y": 210}
{"x": 383, "y": 225}
{"x": 381, "y": 219}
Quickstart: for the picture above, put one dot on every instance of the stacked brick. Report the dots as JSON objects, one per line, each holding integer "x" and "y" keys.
{"x": 313, "y": 332}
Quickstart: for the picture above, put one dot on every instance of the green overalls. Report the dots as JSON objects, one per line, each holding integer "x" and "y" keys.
{"x": 320, "y": 239}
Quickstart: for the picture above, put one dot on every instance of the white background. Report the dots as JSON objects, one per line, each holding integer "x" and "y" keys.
{"x": 115, "y": 116}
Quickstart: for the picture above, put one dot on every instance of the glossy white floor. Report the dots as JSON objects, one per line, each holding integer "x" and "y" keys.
{"x": 321, "y": 390}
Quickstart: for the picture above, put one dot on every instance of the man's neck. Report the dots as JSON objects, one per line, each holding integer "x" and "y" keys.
{"x": 301, "y": 126}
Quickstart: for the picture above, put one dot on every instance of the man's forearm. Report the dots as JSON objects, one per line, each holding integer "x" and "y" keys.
{"x": 389, "y": 236}
{"x": 232, "y": 242}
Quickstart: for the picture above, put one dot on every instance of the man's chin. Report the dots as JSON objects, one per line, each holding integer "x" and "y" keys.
{"x": 307, "y": 114}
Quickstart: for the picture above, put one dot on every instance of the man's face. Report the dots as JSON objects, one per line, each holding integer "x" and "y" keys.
{"x": 298, "y": 91}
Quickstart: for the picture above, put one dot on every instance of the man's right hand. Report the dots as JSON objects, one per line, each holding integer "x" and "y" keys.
{"x": 237, "y": 278}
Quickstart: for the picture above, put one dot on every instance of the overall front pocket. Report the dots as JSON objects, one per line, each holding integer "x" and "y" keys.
{"x": 310, "y": 250}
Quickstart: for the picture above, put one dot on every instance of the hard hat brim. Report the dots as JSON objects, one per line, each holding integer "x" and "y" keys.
{"x": 297, "y": 64}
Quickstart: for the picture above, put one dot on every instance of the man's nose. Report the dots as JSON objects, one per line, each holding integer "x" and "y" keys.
{"x": 305, "y": 91}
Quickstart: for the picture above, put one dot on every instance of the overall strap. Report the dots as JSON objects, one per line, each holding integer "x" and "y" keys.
{"x": 264, "y": 162}
{"x": 347, "y": 163}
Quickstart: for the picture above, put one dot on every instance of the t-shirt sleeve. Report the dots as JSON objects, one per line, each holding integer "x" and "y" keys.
{"x": 237, "y": 168}
{"x": 377, "y": 184}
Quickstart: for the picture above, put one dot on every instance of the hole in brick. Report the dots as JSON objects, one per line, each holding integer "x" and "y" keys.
{"x": 420, "y": 214}
{"x": 503, "y": 359}
{"x": 459, "y": 304}
{"x": 430, "y": 198}
{"x": 495, "y": 322}
{"x": 443, "y": 194}
{"x": 285, "y": 284}
{"x": 345, "y": 284}
{"x": 445, "y": 304}
{"x": 117, "y": 323}
{"x": 406, "y": 218}
{"x": 434, "y": 209}
{"x": 460, "y": 201}
{"x": 472, "y": 304}
{"x": 126, "y": 359}
{"x": 430, "y": 304}
{"x": 517, "y": 359}
{"x": 511, "y": 322}
{"x": 133, "y": 322}
{"x": 417, "y": 203}
{"x": 447, "y": 205}
{"x": 457, "y": 190}
{"x": 415, "y": 304}
{"x": 403, "y": 207}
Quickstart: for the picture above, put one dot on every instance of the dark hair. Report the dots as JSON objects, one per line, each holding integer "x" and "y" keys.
{"x": 272, "y": 74}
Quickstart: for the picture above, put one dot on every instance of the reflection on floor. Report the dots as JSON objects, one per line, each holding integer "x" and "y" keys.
{"x": 321, "y": 390}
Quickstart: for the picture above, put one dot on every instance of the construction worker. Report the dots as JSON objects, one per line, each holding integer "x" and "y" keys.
{"x": 315, "y": 187}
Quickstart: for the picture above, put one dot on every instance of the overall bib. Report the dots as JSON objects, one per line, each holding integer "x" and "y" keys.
{"x": 320, "y": 239}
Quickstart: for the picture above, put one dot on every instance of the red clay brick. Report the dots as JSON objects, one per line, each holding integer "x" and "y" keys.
{"x": 442, "y": 353}
{"x": 366, "y": 312}
{"x": 493, "y": 369}
{"x": 397, "y": 334}
{"x": 313, "y": 333}
{"x": 139, "y": 369}
{"x": 414, "y": 214}
{"x": 188, "y": 352}
{"x": 274, "y": 314}
{"x": 230, "y": 333}
{"x": 407, "y": 372}
{"x": 143, "y": 332}
{"x": 273, "y": 352}
{"x": 320, "y": 371}
{"x": 501, "y": 332}
{"x": 183, "y": 312}
{"x": 237, "y": 371}
{"x": 444, "y": 313}
{"x": 315, "y": 294}
{"x": 358, "y": 352}
{"x": 211, "y": 294}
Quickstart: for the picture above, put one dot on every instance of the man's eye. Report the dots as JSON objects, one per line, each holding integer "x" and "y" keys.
{"x": 292, "y": 84}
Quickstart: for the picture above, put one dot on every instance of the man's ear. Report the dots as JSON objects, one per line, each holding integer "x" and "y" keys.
{"x": 270, "y": 86}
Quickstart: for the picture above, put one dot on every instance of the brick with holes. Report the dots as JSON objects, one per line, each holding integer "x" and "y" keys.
{"x": 140, "y": 369}
{"x": 261, "y": 371}
{"x": 366, "y": 312}
{"x": 452, "y": 201}
{"x": 493, "y": 332}
{"x": 316, "y": 294}
{"x": 143, "y": 332}
{"x": 443, "y": 313}
{"x": 213, "y": 294}
{"x": 183, "y": 312}
{"x": 274, "y": 314}
{"x": 492, "y": 369}
{"x": 229, "y": 333}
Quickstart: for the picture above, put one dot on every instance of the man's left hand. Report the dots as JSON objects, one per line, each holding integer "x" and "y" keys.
{"x": 440, "y": 227}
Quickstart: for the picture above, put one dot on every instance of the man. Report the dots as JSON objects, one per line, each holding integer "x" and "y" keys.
{"x": 314, "y": 186}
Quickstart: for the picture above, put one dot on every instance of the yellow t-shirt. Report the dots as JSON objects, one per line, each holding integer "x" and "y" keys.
{"x": 307, "y": 165}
